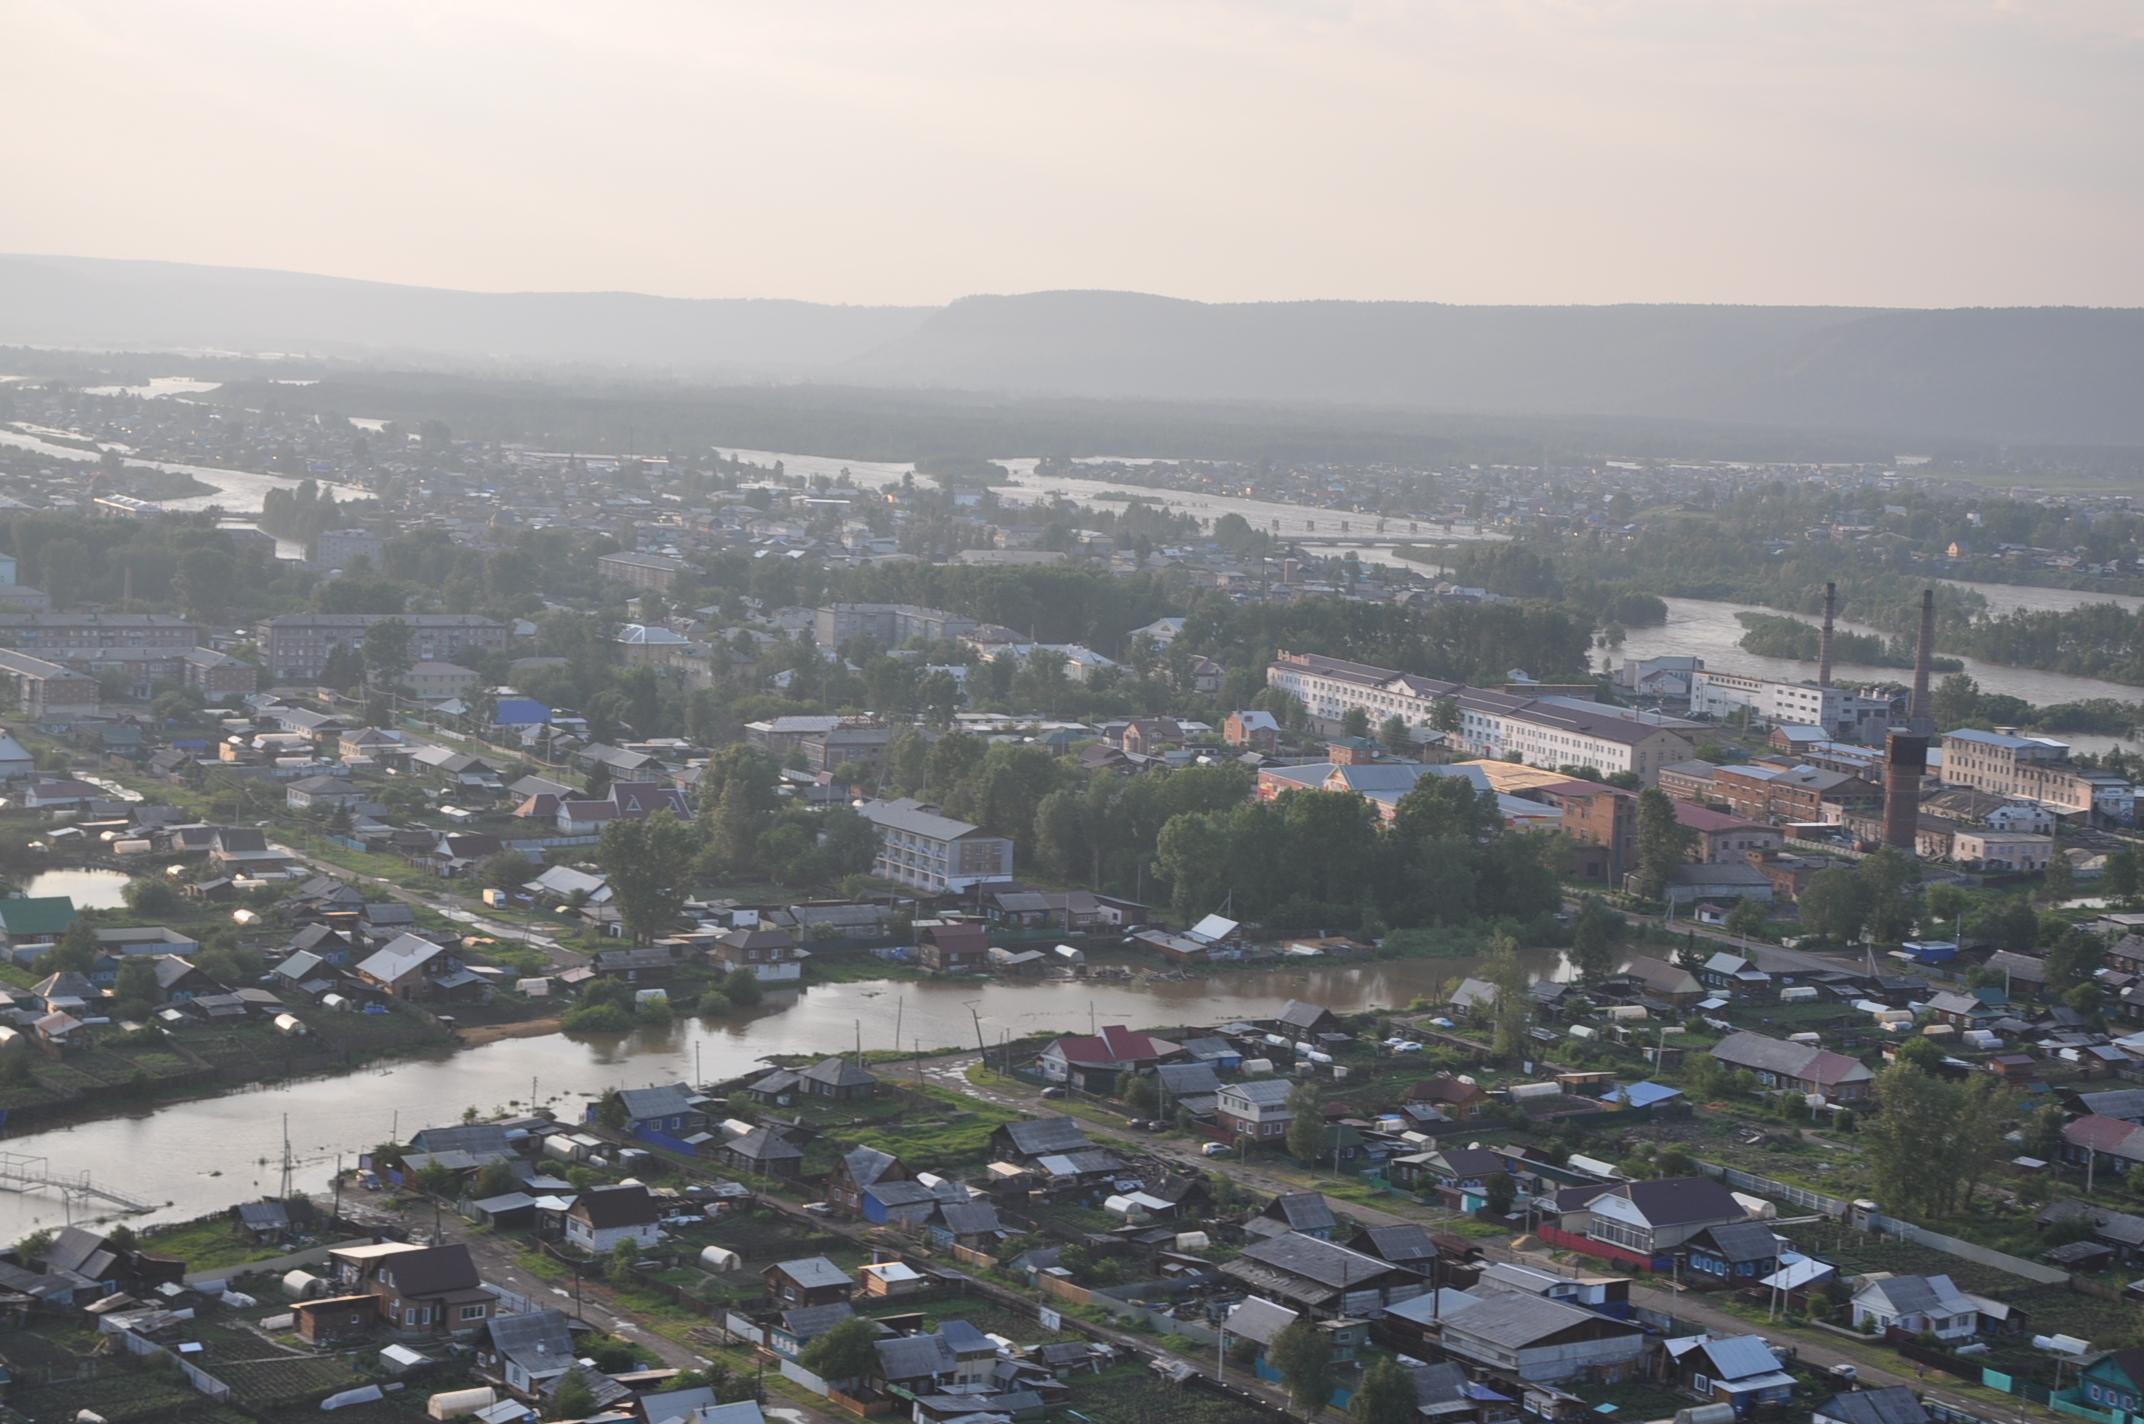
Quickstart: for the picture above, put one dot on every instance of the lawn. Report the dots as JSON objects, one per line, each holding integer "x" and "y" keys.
{"x": 206, "y": 1245}
{"x": 957, "y": 1136}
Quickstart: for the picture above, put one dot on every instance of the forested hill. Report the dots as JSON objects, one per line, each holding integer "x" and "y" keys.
{"x": 85, "y": 302}
{"x": 2028, "y": 375}
{"x": 2039, "y": 376}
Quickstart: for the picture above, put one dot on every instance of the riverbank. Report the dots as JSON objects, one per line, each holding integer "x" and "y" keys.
{"x": 478, "y": 1035}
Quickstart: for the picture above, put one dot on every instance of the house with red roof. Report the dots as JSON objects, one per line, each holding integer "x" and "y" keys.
{"x": 2102, "y": 1143}
{"x": 1092, "y": 1061}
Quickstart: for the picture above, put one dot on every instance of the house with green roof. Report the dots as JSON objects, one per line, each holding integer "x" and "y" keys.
{"x": 35, "y": 917}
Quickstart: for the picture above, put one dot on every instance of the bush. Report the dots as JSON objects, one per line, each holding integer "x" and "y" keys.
{"x": 742, "y": 986}
{"x": 654, "y": 1012}
{"x": 596, "y": 1018}
{"x": 714, "y": 1004}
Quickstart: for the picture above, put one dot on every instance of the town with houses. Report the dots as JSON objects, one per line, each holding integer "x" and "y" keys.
{"x": 1722, "y": 1043}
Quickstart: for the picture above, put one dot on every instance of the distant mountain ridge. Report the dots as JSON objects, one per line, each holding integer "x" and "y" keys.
{"x": 2019, "y": 375}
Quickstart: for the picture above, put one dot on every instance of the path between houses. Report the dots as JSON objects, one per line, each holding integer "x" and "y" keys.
{"x": 1813, "y": 1346}
{"x": 560, "y": 956}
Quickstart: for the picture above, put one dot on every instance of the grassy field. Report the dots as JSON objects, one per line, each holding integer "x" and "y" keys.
{"x": 958, "y": 1136}
{"x": 206, "y": 1245}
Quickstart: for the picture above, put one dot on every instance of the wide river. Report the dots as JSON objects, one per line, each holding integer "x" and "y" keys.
{"x": 236, "y": 491}
{"x": 1700, "y": 626}
{"x": 201, "y": 1156}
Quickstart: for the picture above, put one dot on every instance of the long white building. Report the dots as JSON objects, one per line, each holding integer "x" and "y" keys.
{"x": 1840, "y": 711}
{"x": 1540, "y": 731}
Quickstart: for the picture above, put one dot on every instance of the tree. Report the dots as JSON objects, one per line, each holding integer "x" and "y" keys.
{"x": 1593, "y": 937}
{"x": 2043, "y": 1133}
{"x": 1893, "y": 879}
{"x": 573, "y": 1399}
{"x": 1746, "y": 918}
{"x": 387, "y": 652}
{"x": 152, "y": 895}
{"x": 647, "y": 862}
{"x": 1140, "y": 1094}
{"x": 1393, "y": 734}
{"x": 1956, "y": 700}
{"x": 1306, "y": 1125}
{"x": 734, "y": 837}
{"x": 2059, "y": 881}
{"x": 1501, "y": 1192}
{"x": 846, "y": 1352}
{"x": 135, "y": 987}
{"x": 1835, "y": 905}
{"x": 1445, "y": 715}
{"x": 619, "y": 1266}
{"x": 1304, "y": 1362}
{"x": 743, "y": 988}
{"x": 1663, "y": 842}
{"x": 508, "y": 870}
{"x": 1514, "y": 1006}
{"x": 74, "y": 953}
{"x": 1355, "y": 722}
{"x": 1386, "y": 1394}
{"x": 2122, "y": 875}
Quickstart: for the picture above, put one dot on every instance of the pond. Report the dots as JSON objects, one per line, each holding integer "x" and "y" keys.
{"x": 89, "y": 889}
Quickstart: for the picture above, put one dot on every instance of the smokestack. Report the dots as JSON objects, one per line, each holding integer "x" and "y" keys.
{"x": 1924, "y": 652}
{"x": 1823, "y": 647}
{"x": 1905, "y": 753}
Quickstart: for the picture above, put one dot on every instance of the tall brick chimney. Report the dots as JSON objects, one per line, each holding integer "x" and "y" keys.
{"x": 1905, "y": 752}
{"x": 1922, "y": 712}
{"x": 1823, "y": 647}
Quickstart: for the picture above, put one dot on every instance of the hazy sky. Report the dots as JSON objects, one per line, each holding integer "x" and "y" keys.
{"x": 1908, "y": 152}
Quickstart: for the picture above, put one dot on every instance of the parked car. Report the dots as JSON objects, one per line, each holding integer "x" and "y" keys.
{"x": 1157, "y": 1125}
{"x": 1053, "y": 1092}
{"x": 1213, "y": 1149}
{"x": 819, "y": 1208}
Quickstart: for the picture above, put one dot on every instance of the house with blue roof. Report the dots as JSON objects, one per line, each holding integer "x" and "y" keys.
{"x": 1647, "y": 1094}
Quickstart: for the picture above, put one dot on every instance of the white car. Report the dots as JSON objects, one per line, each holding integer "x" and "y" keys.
{"x": 1212, "y": 1149}
{"x": 1406, "y": 1045}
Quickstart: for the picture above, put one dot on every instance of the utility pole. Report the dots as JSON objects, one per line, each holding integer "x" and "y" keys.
{"x": 981, "y": 1048}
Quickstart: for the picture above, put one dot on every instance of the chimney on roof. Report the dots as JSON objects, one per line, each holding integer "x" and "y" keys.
{"x": 1823, "y": 646}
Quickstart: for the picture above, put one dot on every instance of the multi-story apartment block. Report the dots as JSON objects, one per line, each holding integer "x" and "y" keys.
{"x": 342, "y": 548}
{"x": 47, "y": 633}
{"x": 656, "y": 571}
{"x": 1550, "y": 731}
{"x": 934, "y": 853}
{"x": 891, "y": 624}
{"x": 1840, "y": 711}
{"x": 45, "y": 689}
{"x": 2035, "y": 769}
{"x": 297, "y": 644}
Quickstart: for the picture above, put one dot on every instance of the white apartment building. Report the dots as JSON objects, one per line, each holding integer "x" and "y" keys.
{"x": 1838, "y": 710}
{"x": 1540, "y": 731}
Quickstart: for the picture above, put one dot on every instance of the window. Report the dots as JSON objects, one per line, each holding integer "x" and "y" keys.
{"x": 475, "y": 1312}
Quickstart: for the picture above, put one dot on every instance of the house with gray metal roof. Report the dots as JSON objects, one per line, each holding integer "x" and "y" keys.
{"x": 1539, "y": 1340}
